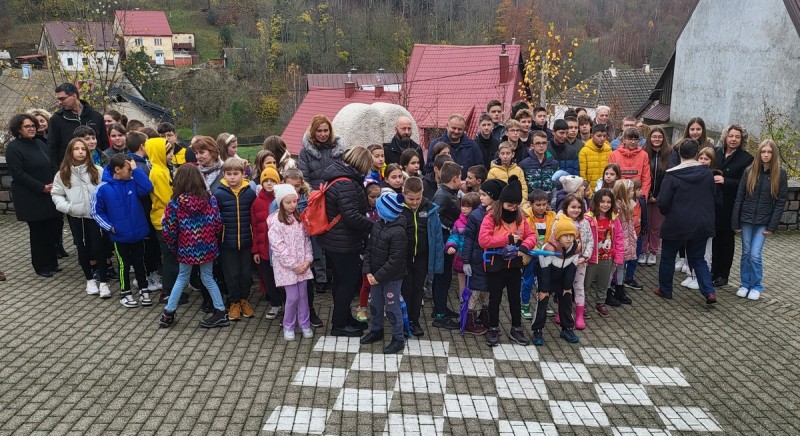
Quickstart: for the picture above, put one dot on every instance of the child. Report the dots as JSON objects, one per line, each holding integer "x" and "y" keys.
{"x": 190, "y": 227}
{"x": 393, "y": 179}
{"x": 123, "y": 217}
{"x": 159, "y": 151}
{"x": 373, "y": 191}
{"x": 259, "y": 212}
{"x": 611, "y": 173}
{"x": 540, "y": 122}
{"x": 432, "y": 179}
{"x": 505, "y": 233}
{"x": 135, "y": 141}
{"x": 477, "y": 322}
{"x": 476, "y": 175}
{"x": 504, "y": 167}
{"x": 410, "y": 163}
{"x": 73, "y": 189}
{"x": 376, "y": 173}
{"x": 574, "y": 208}
{"x": 569, "y": 185}
{"x": 447, "y": 198}
{"x": 235, "y": 198}
{"x": 557, "y": 274}
{"x": 609, "y": 248}
{"x": 228, "y": 146}
{"x": 485, "y": 140}
{"x": 525, "y": 118}
{"x": 292, "y": 253}
{"x": 625, "y": 203}
{"x": 518, "y": 148}
{"x": 90, "y": 139}
{"x": 539, "y": 166}
{"x": 262, "y": 159}
{"x": 639, "y": 223}
{"x": 385, "y": 266}
{"x": 116, "y": 138}
{"x": 541, "y": 221}
{"x": 425, "y": 252}
{"x": 706, "y": 156}
{"x": 455, "y": 242}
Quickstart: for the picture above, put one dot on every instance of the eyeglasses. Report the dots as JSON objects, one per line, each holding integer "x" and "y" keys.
{"x": 28, "y": 126}
{"x": 540, "y": 143}
{"x": 514, "y": 130}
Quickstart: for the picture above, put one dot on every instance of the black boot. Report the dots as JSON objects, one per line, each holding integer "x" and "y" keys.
{"x": 621, "y": 296}
{"x": 372, "y": 336}
{"x": 395, "y": 346}
{"x": 610, "y": 299}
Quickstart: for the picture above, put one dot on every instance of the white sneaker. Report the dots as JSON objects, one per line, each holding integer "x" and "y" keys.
{"x": 128, "y": 301}
{"x": 692, "y": 283}
{"x": 742, "y": 292}
{"x": 153, "y": 282}
{"x": 679, "y": 263}
{"x": 642, "y": 259}
{"x": 144, "y": 298}
{"x": 308, "y": 333}
{"x": 686, "y": 281}
{"x": 104, "y": 291}
{"x": 274, "y": 311}
{"x": 288, "y": 335}
{"x": 651, "y": 259}
{"x": 91, "y": 287}
{"x": 754, "y": 295}
{"x": 686, "y": 269}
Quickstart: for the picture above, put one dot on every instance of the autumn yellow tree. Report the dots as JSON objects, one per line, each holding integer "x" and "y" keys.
{"x": 549, "y": 68}
{"x": 517, "y": 19}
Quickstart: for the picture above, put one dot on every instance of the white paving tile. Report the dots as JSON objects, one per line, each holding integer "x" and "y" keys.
{"x": 291, "y": 419}
{"x": 421, "y": 382}
{"x": 377, "y": 362}
{"x": 470, "y": 406}
{"x": 470, "y": 367}
{"x": 687, "y": 419}
{"x": 521, "y": 428}
{"x": 622, "y": 393}
{"x": 363, "y": 400}
{"x": 320, "y": 377}
{"x": 604, "y": 356}
{"x": 638, "y": 431}
{"x": 421, "y": 347}
{"x": 515, "y": 353}
{"x": 578, "y": 413}
{"x": 658, "y": 376}
{"x": 337, "y": 344}
{"x": 417, "y": 425}
{"x": 521, "y": 388}
{"x": 565, "y": 371}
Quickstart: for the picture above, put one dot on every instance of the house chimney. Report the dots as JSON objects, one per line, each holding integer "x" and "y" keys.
{"x": 514, "y": 40}
{"x": 612, "y": 70}
{"x": 349, "y": 85}
{"x": 503, "y": 64}
{"x": 647, "y": 66}
{"x": 378, "y": 91}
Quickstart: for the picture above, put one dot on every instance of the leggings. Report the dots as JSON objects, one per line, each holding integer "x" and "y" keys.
{"x": 511, "y": 280}
{"x": 296, "y": 310}
{"x": 578, "y": 288}
{"x": 88, "y": 239}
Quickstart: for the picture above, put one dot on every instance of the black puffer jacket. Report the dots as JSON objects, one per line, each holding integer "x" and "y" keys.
{"x": 760, "y": 209}
{"x": 63, "y": 123}
{"x": 386, "y": 252}
{"x": 732, "y": 169}
{"x": 314, "y": 160}
{"x": 687, "y": 202}
{"x": 348, "y": 199}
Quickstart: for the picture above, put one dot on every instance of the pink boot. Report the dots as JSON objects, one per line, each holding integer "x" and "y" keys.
{"x": 579, "y": 322}
{"x": 557, "y": 319}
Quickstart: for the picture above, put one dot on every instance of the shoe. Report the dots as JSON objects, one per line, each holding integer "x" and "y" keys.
{"x": 346, "y": 331}
{"x": 685, "y": 269}
{"x": 152, "y": 283}
{"x": 217, "y": 319}
{"x": 91, "y": 287}
{"x": 273, "y": 312}
{"x": 166, "y": 320}
{"x": 570, "y": 336}
{"x": 446, "y": 323}
{"x": 742, "y": 292}
{"x": 164, "y": 298}
{"x": 308, "y": 333}
{"x": 754, "y": 295}
{"x": 550, "y": 312}
{"x": 493, "y": 337}
{"x": 361, "y": 314}
{"x": 315, "y": 321}
{"x": 621, "y": 296}
{"x": 642, "y": 259}
{"x": 662, "y": 294}
{"x": 474, "y": 326}
{"x": 395, "y": 346}
{"x": 538, "y": 340}
{"x": 602, "y": 310}
{"x": 144, "y": 298}
{"x": 111, "y": 273}
{"x": 235, "y": 312}
{"x": 633, "y": 284}
{"x": 557, "y": 319}
{"x": 651, "y": 259}
{"x": 57, "y": 269}
{"x": 2, "y": 276}
{"x": 679, "y": 263}
{"x": 104, "y": 291}
{"x": 247, "y": 309}
{"x": 288, "y": 335}
{"x": 127, "y": 300}
{"x": 610, "y": 299}
{"x": 416, "y": 329}
{"x": 447, "y": 314}
{"x": 45, "y": 274}
{"x": 712, "y": 298}
{"x": 321, "y": 288}
{"x": 207, "y": 306}
{"x": 526, "y": 311}
{"x": 517, "y": 334}
{"x": 691, "y": 282}
{"x": 372, "y": 336}
{"x": 720, "y": 281}
{"x": 580, "y": 324}
{"x": 361, "y": 325}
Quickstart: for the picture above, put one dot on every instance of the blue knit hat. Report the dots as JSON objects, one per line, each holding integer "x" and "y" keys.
{"x": 390, "y": 206}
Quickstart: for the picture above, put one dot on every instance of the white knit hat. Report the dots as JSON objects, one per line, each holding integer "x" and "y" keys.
{"x": 282, "y": 191}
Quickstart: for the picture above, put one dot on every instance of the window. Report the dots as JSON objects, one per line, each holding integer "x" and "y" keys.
{"x": 158, "y": 42}
{"x": 69, "y": 62}
{"x": 85, "y": 61}
{"x": 110, "y": 61}
{"x": 138, "y": 42}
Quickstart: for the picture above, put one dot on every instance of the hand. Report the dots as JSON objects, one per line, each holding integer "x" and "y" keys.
{"x": 113, "y": 230}
{"x": 463, "y": 186}
{"x": 516, "y": 237}
{"x": 451, "y": 250}
{"x": 133, "y": 164}
{"x": 371, "y": 280}
{"x": 581, "y": 261}
{"x": 652, "y": 200}
{"x": 766, "y": 233}
{"x": 542, "y": 295}
{"x": 467, "y": 270}
{"x": 738, "y": 230}
{"x": 256, "y": 259}
{"x": 719, "y": 180}
{"x": 48, "y": 188}
{"x": 299, "y": 269}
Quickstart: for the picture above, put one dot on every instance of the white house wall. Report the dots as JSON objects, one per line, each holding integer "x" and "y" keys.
{"x": 93, "y": 58}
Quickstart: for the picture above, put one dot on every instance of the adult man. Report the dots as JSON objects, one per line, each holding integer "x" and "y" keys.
{"x": 74, "y": 112}
{"x": 495, "y": 110}
{"x": 565, "y": 154}
{"x": 603, "y": 117}
{"x": 401, "y": 142}
{"x": 572, "y": 133}
{"x": 464, "y": 151}
{"x": 628, "y": 122}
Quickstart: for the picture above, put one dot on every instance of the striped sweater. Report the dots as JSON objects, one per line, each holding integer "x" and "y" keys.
{"x": 190, "y": 228}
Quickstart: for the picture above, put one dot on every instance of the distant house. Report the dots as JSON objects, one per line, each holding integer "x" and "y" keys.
{"x": 183, "y": 47}
{"x": 74, "y": 46}
{"x": 148, "y": 30}
{"x": 363, "y": 81}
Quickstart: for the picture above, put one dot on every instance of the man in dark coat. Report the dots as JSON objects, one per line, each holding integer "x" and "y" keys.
{"x": 464, "y": 151}
{"x": 74, "y": 112}
{"x": 401, "y": 142}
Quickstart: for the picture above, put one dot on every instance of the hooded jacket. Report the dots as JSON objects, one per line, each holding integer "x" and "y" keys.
{"x": 314, "y": 160}
{"x": 393, "y": 150}
{"x": 116, "y": 205}
{"x": 424, "y": 233}
{"x": 634, "y": 164}
{"x": 385, "y": 257}
{"x": 141, "y": 162}
{"x": 234, "y": 206}
{"x": 75, "y": 200}
{"x": 160, "y": 177}
{"x": 62, "y": 125}
{"x": 190, "y": 228}
{"x": 348, "y": 199}
{"x": 291, "y": 247}
{"x": 503, "y": 172}
{"x": 466, "y": 153}
{"x": 617, "y": 242}
{"x": 657, "y": 172}
{"x": 539, "y": 175}
{"x": 760, "y": 208}
{"x": 566, "y": 156}
{"x": 593, "y": 159}
{"x": 259, "y": 212}
{"x": 687, "y": 202}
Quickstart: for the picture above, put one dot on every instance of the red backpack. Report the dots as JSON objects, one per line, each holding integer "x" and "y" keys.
{"x": 315, "y": 217}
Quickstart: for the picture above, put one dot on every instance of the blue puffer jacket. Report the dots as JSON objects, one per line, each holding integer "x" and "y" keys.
{"x": 235, "y": 210}
{"x": 566, "y": 156}
{"x": 116, "y": 204}
{"x": 472, "y": 253}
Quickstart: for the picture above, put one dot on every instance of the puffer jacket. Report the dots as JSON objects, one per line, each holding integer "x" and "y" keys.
{"x": 503, "y": 172}
{"x": 348, "y": 199}
{"x": 593, "y": 159}
{"x": 314, "y": 160}
{"x": 732, "y": 168}
{"x": 633, "y": 164}
{"x": 234, "y": 206}
{"x": 116, "y": 205}
{"x": 424, "y": 232}
{"x": 291, "y": 246}
{"x": 385, "y": 257}
{"x": 492, "y": 237}
{"x": 687, "y": 202}
{"x": 259, "y": 211}
{"x": 75, "y": 200}
{"x": 190, "y": 228}
{"x": 760, "y": 208}
{"x": 628, "y": 238}
{"x": 539, "y": 175}
{"x": 456, "y": 240}
{"x": 472, "y": 253}
{"x": 160, "y": 177}
{"x": 584, "y": 228}
{"x": 617, "y": 242}
{"x": 566, "y": 156}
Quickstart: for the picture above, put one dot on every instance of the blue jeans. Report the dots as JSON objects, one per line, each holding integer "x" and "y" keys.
{"x": 528, "y": 280}
{"x": 695, "y": 249}
{"x": 751, "y": 268}
{"x": 206, "y": 275}
{"x": 630, "y": 265}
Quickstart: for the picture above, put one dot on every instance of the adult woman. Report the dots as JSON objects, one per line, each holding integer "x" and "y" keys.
{"x": 695, "y": 129}
{"x": 346, "y": 198}
{"x": 32, "y": 175}
{"x": 208, "y": 160}
{"x": 320, "y": 149}
{"x": 276, "y": 145}
{"x": 112, "y": 117}
{"x": 658, "y": 150}
{"x": 757, "y": 213}
{"x": 732, "y": 160}
{"x": 43, "y": 117}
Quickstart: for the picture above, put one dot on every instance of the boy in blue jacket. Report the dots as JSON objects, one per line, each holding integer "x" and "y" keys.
{"x": 117, "y": 209}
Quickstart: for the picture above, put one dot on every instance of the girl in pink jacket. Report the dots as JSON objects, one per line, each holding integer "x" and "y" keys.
{"x": 292, "y": 257}
{"x": 609, "y": 249}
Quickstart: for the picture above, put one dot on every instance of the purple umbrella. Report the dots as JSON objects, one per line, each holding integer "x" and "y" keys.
{"x": 465, "y": 294}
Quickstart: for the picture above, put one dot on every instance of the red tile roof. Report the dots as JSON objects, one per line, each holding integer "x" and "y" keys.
{"x": 446, "y": 79}
{"x": 66, "y": 35}
{"x": 143, "y": 23}
{"x": 327, "y": 102}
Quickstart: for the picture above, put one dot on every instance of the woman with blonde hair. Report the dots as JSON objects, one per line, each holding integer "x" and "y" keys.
{"x": 43, "y": 117}
{"x": 320, "y": 148}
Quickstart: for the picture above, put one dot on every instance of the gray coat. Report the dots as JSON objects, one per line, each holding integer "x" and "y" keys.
{"x": 313, "y": 160}
{"x": 759, "y": 209}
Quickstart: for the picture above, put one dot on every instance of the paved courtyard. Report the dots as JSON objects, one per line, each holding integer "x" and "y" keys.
{"x": 72, "y": 363}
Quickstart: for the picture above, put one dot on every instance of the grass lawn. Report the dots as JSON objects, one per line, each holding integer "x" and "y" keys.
{"x": 194, "y": 21}
{"x": 249, "y": 153}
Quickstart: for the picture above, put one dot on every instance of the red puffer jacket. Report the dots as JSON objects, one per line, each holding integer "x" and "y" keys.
{"x": 259, "y": 212}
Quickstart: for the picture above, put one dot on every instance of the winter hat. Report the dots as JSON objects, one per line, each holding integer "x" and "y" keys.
{"x": 512, "y": 193}
{"x": 390, "y": 206}
{"x": 571, "y": 184}
{"x": 270, "y": 173}
{"x": 493, "y": 187}
{"x": 565, "y": 226}
{"x": 282, "y": 191}
{"x": 557, "y": 175}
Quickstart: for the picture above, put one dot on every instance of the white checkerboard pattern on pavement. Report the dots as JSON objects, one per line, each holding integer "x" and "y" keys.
{"x": 438, "y": 372}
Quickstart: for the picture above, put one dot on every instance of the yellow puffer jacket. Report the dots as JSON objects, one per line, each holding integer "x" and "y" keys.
{"x": 503, "y": 172}
{"x": 160, "y": 177}
{"x": 593, "y": 160}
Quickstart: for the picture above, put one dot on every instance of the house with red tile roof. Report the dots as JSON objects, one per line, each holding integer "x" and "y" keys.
{"x": 148, "y": 31}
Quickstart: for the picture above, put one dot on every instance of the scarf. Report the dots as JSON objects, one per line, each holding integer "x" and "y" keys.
{"x": 210, "y": 173}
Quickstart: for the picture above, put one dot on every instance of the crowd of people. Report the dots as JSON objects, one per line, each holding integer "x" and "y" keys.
{"x": 520, "y": 210}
